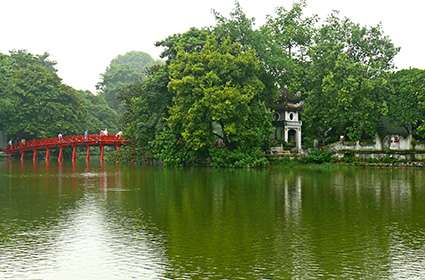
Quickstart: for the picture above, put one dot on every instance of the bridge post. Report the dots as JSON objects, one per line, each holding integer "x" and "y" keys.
{"x": 47, "y": 153}
{"x": 87, "y": 152}
{"x": 60, "y": 156}
{"x": 22, "y": 152}
{"x": 101, "y": 152}
{"x": 117, "y": 147}
{"x": 34, "y": 155}
{"x": 74, "y": 152}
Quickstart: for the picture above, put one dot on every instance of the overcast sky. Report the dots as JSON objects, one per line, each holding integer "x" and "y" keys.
{"x": 84, "y": 35}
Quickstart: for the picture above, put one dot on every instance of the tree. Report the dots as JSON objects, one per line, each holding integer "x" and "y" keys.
{"x": 240, "y": 28}
{"x": 147, "y": 102}
{"x": 124, "y": 70}
{"x": 190, "y": 41}
{"x": 407, "y": 100}
{"x": 99, "y": 114}
{"x": 211, "y": 99}
{"x": 147, "y": 106}
{"x": 347, "y": 81}
{"x": 218, "y": 99}
{"x": 34, "y": 102}
{"x": 287, "y": 37}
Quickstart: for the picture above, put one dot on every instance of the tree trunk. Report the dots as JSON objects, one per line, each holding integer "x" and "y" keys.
{"x": 225, "y": 137}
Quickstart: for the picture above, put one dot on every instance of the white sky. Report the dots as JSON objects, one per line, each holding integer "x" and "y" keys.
{"x": 84, "y": 35}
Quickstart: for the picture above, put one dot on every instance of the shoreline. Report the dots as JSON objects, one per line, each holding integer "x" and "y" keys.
{"x": 288, "y": 162}
{"x": 409, "y": 164}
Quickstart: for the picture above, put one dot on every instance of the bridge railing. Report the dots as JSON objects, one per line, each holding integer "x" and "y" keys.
{"x": 73, "y": 140}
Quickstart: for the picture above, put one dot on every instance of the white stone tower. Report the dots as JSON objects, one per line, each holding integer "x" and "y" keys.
{"x": 293, "y": 124}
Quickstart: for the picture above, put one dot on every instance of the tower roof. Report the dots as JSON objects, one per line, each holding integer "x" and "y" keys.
{"x": 288, "y": 101}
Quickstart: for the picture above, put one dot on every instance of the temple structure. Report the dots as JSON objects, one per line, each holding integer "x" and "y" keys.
{"x": 287, "y": 121}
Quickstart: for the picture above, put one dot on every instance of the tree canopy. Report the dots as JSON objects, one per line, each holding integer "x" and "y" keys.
{"x": 34, "y": 102}
{"x": 220, "y": 83}
{"x": 407, "y": 100}
{"x": 347, "y": 79}
{"x": 218, "y": 99}
{"x": 123, "y": 71}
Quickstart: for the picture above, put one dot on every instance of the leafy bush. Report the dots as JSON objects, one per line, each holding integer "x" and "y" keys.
{"x": 221, "y": 157}
{"x": 172, "y": 152}
{"x": 349, "y": 157}
{"x": 318, "y": 156}
{"x": 389, "y": 159}
{"x": 125, "y": 154}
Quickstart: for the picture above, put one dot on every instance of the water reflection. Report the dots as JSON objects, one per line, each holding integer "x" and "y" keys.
{"x": 117, "y": 222}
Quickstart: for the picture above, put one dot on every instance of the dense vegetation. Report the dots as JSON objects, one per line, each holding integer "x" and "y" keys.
{"x": 210, "y": 100}
{"x": 123, "y": 71}
{"x": 34, "y": 102}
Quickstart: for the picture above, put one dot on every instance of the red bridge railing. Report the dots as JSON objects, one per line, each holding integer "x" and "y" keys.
{"x": 65, "y": 141}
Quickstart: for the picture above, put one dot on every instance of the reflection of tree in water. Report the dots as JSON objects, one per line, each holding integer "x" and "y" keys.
{"x": 284, "y": 223}
{"x": 33, "y": 210}
{"x": 202, "y": 223}
{"x": 350, "y": 216}
{"x": 57, "y": 225}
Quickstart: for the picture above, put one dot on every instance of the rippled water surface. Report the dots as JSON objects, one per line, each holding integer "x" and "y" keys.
{"x": 112, "y": 222}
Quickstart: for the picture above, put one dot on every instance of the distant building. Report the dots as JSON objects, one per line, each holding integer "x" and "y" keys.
{"x": 287, "y": 121}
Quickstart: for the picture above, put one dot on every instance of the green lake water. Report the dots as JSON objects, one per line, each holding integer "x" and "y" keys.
{"x": 120, "y": 222}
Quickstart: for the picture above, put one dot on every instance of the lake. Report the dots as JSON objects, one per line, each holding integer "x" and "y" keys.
{"x": 124, "y": 222}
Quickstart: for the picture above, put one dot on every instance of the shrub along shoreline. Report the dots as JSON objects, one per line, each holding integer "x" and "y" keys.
{"x": 313, "y": 158}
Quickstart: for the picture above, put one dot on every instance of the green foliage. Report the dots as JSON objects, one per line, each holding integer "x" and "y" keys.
{"x": 287, "y": 37}
{"x": 407, "y": 100}
{"x": 125, "y": 154}
{"x": 239, "y": 28}
{"x": 99, "y": 114}
{"x": 34, "y": 102}
{"x": 210, "y": 102}
{"x": 208, "y": 94}
{"x": 146, "y": 107}
{"x": 218, "y": 98}
{"x": 389, "y": 159}
{"x": 280, "y": 45}
{"x": 238, "y": 158}
{"x": 347, "y": 76}
{"x": 190, "y": 41}
{"x": 171, "y": 151}
{"x": 123, "y": 71}
{"x": 318, "y": 156}
{"x": 340, "y": 67}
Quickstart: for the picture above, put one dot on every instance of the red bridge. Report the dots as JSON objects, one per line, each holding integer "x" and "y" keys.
{"x": 66, "y": 141}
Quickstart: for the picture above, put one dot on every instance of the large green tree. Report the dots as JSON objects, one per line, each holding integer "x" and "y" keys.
{"x": 240, "y": 28}
{"x": 218, "y": 99}
{"x": 147, "y": 106}
{"x": 99, "y": 114}
{"x": 340, "y": 67}
{"x": 347, "y": 80}
{"x": 34, "y": 101}
{"x": 287, "y": 37}
{"x": 407, "y": 100}
{"x": 123, "y": 71}
{"x": 147, "y": 102}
